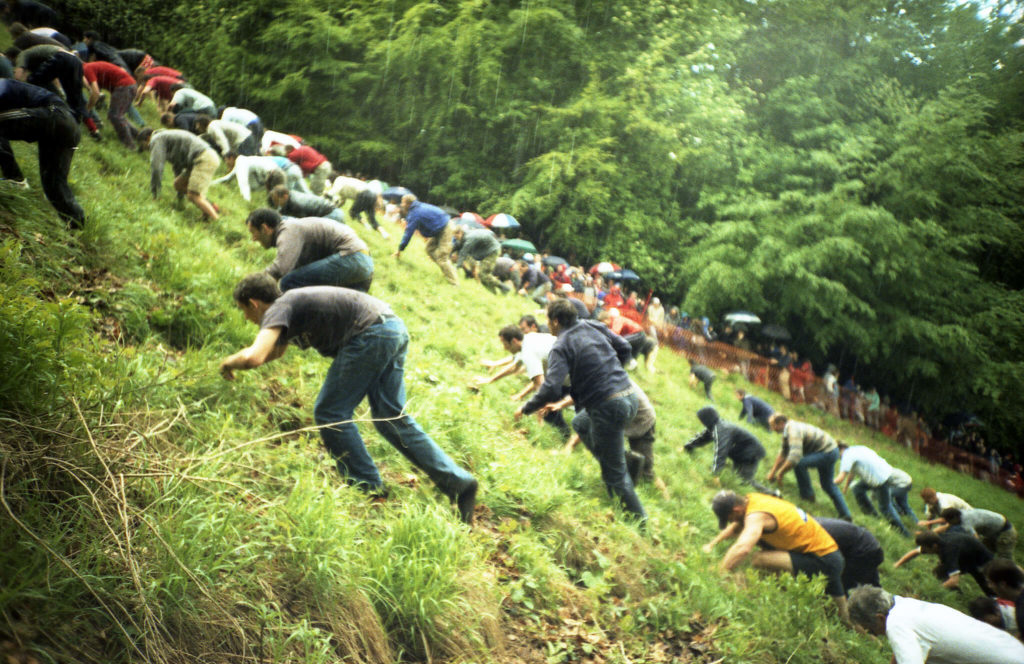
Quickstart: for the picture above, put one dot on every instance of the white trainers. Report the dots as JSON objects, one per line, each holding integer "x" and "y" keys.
{"x": 383, "y": 233}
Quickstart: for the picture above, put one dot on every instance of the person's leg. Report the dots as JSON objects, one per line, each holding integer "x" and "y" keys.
{"x": 8, "y": 164}
{"x": 295, "y": 180}
{"x": 120, "y": 102}
{"x": 644, "y": 446}
{"x": 747, "y": 472}
{"x": 199, "y": 180}
{"x": 803, "y": 480}
{"x": 883, "y": 495}
{"x": 439, "y": 248}
{"x": 539, "y": 293}
{"x": 382, "y": 348}
{"x": 826, "y": 465}
{"x": 318, "y": 178}
{"x": 338, "y": 215}
{"x": 55, "y": 153}
{"x": 608, "y": 419}
{"x": 581, "y": 424}
{"x": 707, "y": 390}
{"x": 557, "y": 420}
{"x": 486, "y": 273}
{"x": 344, "y": 386}
{"x": 860, "y": 493}
{"x": 248, "y": 147}
{"x": 900, "y": 496}
{"x": 345, "y": 271}
{"x": 1006, "y": 543}
{"x": 366, "y": 201}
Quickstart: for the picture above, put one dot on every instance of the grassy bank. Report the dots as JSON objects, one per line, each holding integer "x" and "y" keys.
{"x": 152, "y": 511}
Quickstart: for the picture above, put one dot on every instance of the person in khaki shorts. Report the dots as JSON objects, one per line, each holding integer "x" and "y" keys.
{"x": 435, "y": 226}
{"x": 192, "y": 159}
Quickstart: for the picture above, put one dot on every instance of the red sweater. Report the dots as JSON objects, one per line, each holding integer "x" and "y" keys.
{"x": 109, "y": 76}
{"x": 307, "y": 158}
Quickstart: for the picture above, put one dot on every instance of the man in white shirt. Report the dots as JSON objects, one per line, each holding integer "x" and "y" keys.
{"x": 935, "y": 502}
{"x": 922, "y": 632}
{"x": 876, "y": 475}
{"x": 530, "y": 351}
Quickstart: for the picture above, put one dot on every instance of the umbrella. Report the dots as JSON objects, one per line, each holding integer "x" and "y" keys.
{"x": 474, "y": 217}
{"x": 394, "y": 194}
{"x": 468, "y": 222}
{"x": 774, "y": 331}
{"x": 554, "y": 261}
{"x": 519, "y": 245}
{"x": 450, "y": 211}
{"x": 604, "y": 267}
{"x": 501, "y": 220}
{"x": 742, "y": 317}
{"x": 622, "y": 275}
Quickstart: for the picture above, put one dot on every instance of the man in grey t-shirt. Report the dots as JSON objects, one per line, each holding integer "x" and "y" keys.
{"x": 479, "y": 250}
{"x": 312, "y": 251}
{"x": 367, "y": 343}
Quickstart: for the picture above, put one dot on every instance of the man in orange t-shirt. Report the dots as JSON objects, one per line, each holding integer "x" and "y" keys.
{"x": 799, "y": 543}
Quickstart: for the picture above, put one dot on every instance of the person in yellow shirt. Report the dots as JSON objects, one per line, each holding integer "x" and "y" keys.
{"x": 799, "y": 543}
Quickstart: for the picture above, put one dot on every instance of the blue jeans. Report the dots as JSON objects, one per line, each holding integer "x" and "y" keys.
{"x": 353, "y": 271}
{"x": 600, "y": 427}
{"x": 372, "y": 365}
{"x": 899, "y": 497}
{"x": 337, "y": 214}
{"x": 825, "y": 462}
{"x": 884, "y": 496}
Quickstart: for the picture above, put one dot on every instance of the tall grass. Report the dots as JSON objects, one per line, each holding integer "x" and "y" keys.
{"x": 151, "y": 511}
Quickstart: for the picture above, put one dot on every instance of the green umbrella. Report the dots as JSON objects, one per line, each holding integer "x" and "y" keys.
{"x": 519, "y": 245}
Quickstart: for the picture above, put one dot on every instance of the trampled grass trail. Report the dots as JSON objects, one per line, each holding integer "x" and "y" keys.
{"x": 152, "y": 511}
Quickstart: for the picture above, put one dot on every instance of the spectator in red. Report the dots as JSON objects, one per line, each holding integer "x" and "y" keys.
{"x": 639, "y": 342}
{"x": 561, "y": 276}
{"x": 313, "y": 164}
{"x": 108, "y": 76}
{"x": 800, "y": 377}
{"x": 613, "y": 298}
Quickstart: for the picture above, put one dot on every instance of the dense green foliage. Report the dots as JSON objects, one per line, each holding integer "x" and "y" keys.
{"x": 852, "y": 170}
{"x": 151, "y": 511}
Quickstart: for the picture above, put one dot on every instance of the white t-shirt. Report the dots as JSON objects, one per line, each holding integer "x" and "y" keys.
{"x": 866, "y": 463}
{"x": 535, "y": 351}
{"x": 922, "y": 632}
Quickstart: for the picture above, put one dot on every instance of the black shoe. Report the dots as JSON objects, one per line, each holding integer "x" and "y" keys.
{"x": 466, "y": 502}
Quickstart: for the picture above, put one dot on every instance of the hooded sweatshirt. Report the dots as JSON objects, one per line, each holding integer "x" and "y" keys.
{"x": 731, "y": 441}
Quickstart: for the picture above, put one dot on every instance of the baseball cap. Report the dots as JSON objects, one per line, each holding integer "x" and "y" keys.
{"x": 722, "y": 505}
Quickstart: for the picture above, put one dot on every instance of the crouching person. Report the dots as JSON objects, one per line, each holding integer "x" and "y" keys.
{"x": 367, "y": 343}
{"x": 192, "y": 159}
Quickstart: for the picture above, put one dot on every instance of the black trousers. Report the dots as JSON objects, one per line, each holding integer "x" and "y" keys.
{"x": 366, "y": 201}
{"x": 55, "y": 130}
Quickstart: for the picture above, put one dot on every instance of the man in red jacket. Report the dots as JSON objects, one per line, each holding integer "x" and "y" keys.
{"x": 313, "y": 164}
{"x": 121, "y": 85}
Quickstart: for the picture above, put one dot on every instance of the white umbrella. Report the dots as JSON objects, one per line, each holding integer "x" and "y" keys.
{"x": 742, "y": 317}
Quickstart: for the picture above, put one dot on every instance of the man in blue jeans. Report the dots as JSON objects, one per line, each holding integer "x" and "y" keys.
{"x": 592, "y": 357}
{"x": 804, "y": 447}
{"x": 890, "y": 485}
{"x": 368, "y": 344}
{"x": 312, "y": 251}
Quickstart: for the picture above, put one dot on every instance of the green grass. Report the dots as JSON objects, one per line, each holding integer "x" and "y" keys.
{"x": 152, "y": 511}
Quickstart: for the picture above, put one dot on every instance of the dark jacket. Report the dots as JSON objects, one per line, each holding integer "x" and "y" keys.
{"x": 731, "y": 441}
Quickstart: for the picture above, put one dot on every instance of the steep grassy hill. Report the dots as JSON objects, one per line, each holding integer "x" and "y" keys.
{"x": 152, "y": 511}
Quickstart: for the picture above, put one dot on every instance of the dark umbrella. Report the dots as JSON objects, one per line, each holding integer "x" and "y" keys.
{"x": 554, "y": 261}
{"x": 394, "y": 194}
{"x": 773, "y": 331}
{"x": 519, "y": 245}
{"x": 622, "y": 275}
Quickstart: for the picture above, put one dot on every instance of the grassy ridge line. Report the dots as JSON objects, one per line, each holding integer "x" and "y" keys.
{"x": 268, "y": 527}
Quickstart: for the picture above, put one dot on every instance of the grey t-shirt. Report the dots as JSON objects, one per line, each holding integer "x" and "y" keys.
{"x": 302, "y": 241}
{"x": 985, "y": 523}
{"x": 644, "y": 418}
{"x": 478, "y": 244}
{"x": 323, "y": 317}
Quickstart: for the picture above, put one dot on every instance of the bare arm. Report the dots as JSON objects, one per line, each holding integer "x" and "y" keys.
{"x": 843, "y": 480}
{"x": 264, "y": 349}
{"x": 535, "y": 383}
{"x": 729, "y": 532}
{"x": 753, "y": 528}
{"x": 953, "y": 582}
{"x": 775, "y": 468}
{"x": 908, "y": 556}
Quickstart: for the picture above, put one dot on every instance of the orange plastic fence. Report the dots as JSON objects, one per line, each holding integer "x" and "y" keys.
{"x": 794, "y": 386}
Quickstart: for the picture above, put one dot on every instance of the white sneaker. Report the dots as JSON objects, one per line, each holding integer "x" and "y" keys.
{"x": 631, "y": 365}
{"x": 19, "y": 184}
{"x": 383, "y": 233}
